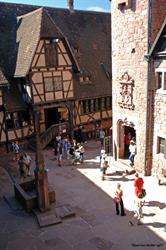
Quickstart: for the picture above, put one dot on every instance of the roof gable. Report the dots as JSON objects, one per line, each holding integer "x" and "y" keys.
{"x": 158, "y": 48}
{"x": 3, "y": 80}
{"x": 87, "y": 35}
{"x": 31, "y": 27}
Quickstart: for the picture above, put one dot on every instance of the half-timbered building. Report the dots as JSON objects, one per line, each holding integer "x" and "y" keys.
{"x": 55, "y": 64}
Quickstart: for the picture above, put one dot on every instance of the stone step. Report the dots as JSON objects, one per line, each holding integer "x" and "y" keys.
{"x": 123, "y": 166}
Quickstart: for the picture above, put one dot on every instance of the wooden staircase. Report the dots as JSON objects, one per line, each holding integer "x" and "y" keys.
{"x": 49, "y": 135}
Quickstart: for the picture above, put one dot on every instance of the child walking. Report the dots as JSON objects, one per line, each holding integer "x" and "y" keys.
{"x": 119, "y": 200}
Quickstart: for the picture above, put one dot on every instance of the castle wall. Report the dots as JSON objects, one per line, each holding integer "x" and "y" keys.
{"x": 133, "y": 29}
{"x": 129, "y": 45}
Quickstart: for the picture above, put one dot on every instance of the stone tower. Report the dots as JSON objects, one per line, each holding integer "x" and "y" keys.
{"x": 135, "y": 25}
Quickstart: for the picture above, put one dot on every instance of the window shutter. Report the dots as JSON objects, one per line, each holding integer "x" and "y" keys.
{"x": 165, "y": 148}
{"x": 51, "y": 55}
{"x": 164, "y": 81}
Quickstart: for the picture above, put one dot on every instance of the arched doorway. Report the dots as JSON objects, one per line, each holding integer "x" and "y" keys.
{"x": 126, "y": 132}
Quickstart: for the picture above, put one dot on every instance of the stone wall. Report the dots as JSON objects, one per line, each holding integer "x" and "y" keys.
{"x": 132, "y": 31}
{"x": 129, "y": 45}
{"x": 159, "y": 123}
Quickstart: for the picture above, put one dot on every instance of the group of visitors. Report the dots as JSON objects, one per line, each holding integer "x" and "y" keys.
{"x": 69, "y": 150}
{"x": 138, "y": 185}
{"x": 139, "y": 202}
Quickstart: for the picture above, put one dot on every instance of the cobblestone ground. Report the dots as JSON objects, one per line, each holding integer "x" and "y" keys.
{"x": 95, "y": 226}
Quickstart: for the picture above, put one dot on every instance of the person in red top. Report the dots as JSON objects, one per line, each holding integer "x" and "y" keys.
{"x": 138, "y": 184}
{"x": 127, "y": 143}
{"x": 118, "y": 200}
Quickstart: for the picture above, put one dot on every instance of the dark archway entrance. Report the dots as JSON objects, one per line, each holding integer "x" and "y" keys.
{"x": 52, "y": 116}
{"x": 129, "y": 134}
{"x": 126, "y": 132}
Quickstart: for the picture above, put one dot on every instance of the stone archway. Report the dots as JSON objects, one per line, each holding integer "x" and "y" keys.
{"x": 124, "y": 128}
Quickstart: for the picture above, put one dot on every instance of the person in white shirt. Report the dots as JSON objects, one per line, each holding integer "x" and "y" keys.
{"x": 132, "y": 150}
{"x": 27, "y": 161}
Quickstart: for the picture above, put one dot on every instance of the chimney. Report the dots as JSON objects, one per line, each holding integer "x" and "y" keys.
{"x": 70, "y": 5}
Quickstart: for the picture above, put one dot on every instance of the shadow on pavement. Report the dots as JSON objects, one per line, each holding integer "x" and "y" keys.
{"x": 158, "y": 204}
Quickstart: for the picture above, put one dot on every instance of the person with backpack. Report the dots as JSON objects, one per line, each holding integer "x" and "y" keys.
{"x": 138, "y": 184}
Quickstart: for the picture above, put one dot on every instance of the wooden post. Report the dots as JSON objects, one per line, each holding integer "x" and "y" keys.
{"x": 41, "y": 177}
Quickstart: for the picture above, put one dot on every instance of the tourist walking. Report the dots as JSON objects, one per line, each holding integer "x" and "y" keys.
{"x": 27, "y": 160}
{"x": 138, "y": 209}
{"x": 102, "y": 158}
{"x": 104, "y": 169}
{"x": 119, "y": 201}
{"x": 101, "y": 136}
{"x": 132, "y": 150}
{"x": 59, "y": 153}
{"x": 82, "y": 151}
{"x": 66, "y": 148}
{"x": 138, "y": 184}
{"x": 22, "y": 168}
{"x": 16, "y": 150}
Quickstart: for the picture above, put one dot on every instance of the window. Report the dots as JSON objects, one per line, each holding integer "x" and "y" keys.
{"x": 161, "y": 145}
{"x": 103, "y": 104}
{"x": 84, "y": 107}
{"x": 9, "y": 121}
{"x": 53, "y": 84}
{"x": 108, "y": 102}
{"x": 95, "y": 105}
{"x": 49, "y": 87}
{"x": 57, "y": 83}
{"x": 17, "y": 119}
{"x": 161, "y": 79}
{"x": 85, "y": 79}
{"x": 51, "y": 55}
{"x": 124, "y": 3}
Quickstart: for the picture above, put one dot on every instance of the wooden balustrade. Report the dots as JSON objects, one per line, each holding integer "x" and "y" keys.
{"x": 52, "y": 132}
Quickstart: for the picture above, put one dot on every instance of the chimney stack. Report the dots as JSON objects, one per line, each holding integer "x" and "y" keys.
{"x": 70, "y": 5}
